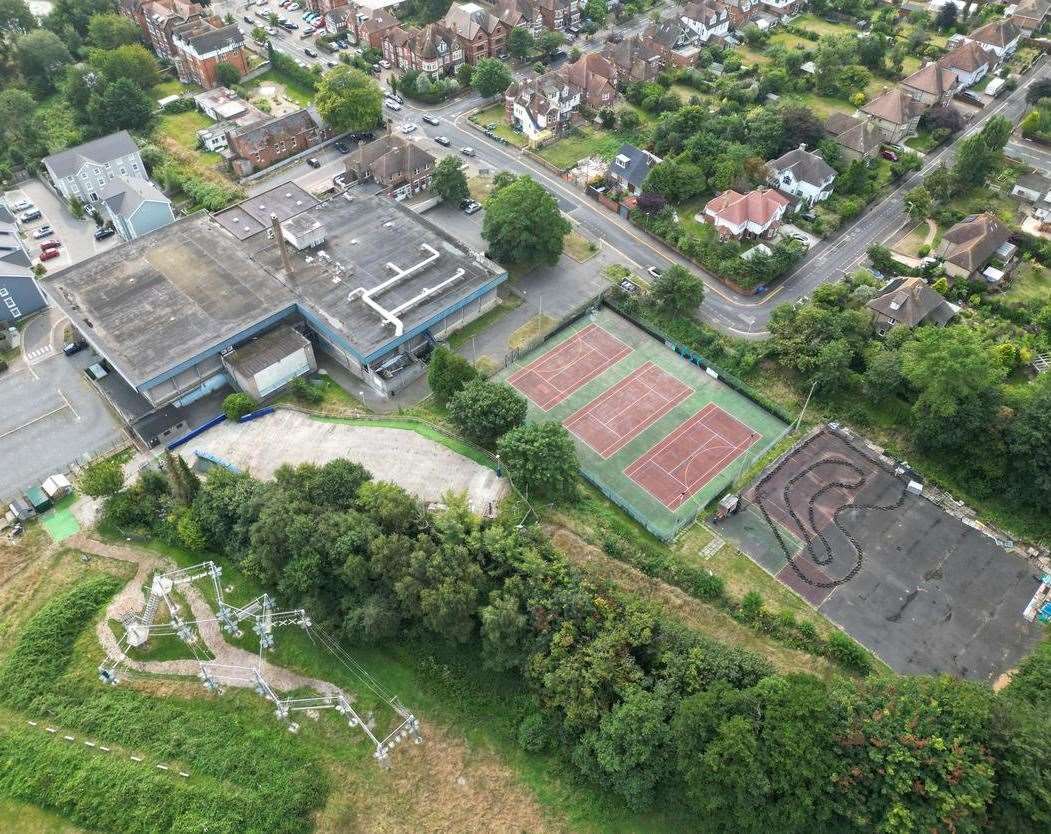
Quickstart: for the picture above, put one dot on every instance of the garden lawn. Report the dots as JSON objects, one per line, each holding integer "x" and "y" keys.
{"x": 1031, "y": 282}
{"x": 183, "y": 127}
{"x": 496, "y": 115}
{"x": 750, "y": 57}
{"x": 581, "y": 143}
{"x": 790, "y": 41}
{"x": 823, "y": 106}
{"x": 922, "y": 142}
{"x": 296, "y": 92}
{"x": 172, "y": 87}
{"x": 813, "y": 23}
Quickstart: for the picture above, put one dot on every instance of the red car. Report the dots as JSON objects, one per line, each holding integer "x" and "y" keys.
{"x": 50, "y": 244}
{"x": 888, "y": 154}
{"x": 48, "y": 254}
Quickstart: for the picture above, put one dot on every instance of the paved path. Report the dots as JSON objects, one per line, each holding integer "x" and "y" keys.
{"x": 130, "y": 600}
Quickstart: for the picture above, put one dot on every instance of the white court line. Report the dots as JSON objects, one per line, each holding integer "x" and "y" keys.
{"x": 26, "y": 425}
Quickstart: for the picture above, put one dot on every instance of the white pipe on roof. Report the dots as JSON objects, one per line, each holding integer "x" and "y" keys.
{"x": 391, "y": 316}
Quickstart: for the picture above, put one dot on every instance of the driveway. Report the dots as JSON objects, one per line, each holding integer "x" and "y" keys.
{"x": 76, "y": 236}
{"x": 49, "y": 413}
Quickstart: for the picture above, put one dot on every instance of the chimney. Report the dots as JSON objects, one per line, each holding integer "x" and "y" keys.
{"x": 802, "y": 146}
{"x": 286, "y": 259}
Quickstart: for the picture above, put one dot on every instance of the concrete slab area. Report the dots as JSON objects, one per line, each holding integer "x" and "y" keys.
{"x": 423, "y": 467}
{"x": 925, "y": 592}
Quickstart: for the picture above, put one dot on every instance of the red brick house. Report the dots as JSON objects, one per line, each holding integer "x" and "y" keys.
{"x": 258, "y": 146}
{"x": 482, "y": 35}
{"x": 635, "y": 59}
{"x": 433, "y": 49}
{"x": 525, "y": 14}
{"x": 400, "y": 167}
{"x": 559, "y": 15}
{"x": 200, "y": 47}
{"x": 596, "y": 77}
{"x": 370, "y": 28}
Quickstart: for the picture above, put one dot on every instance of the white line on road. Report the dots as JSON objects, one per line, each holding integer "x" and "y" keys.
{"x": 27, "y": 424}
{"x": 69, "y": 405}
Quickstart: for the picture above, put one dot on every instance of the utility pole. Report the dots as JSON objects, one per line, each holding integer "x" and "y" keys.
{"x": 799, "y": 420}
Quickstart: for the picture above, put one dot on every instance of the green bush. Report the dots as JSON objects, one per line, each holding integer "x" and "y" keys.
{"x": 305, "y": 392}
{"x": 237, "y": 405}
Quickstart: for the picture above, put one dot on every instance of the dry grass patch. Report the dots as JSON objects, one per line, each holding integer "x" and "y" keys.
{"x": 578, "y": 247}
{"x": 536, "y": 328}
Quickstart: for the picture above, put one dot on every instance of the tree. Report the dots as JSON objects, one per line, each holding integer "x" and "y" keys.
{"x": 940, "y": 183}
{"x": 260, "y": 35}
{"x": 596, "y": 10}
{"x": 675, "y": 180}
{"x": 678, "y": 290}
{"x": 122, "y": 106}
{"x": 449, "y": 182}
{"x": 16, "y": 18}
{"x": 918, "y": 203}
{"x": 237, "y": 405}
{"x": 131, "y": 61}
{"x": 958, "y": 384}
{"x": 447, "y": 373}
{"x": 349, "y": 100}
{"x": 101, "y": 478}
{"x": 550, "y": 41}
{"x": 484, "y": 411}
{"x": 946, "y": 18}
{"x": 520, "y": 42}
{"x": 1040, "y": 88}
{"x": 523, "y": 224}
{"x": 42, "y": 59}
{"x": 73, "y": 17}
{"x": 973, "y": 162}
{"x": 108, "y": 31}
{"x": 227, "y": 74}
{"x": 540, "y": 459}
{"x": 882, "y": 377}
{"x": 801, "y": 125}
{"x": 629, "y": 119}
{"x": 1029, "y": 445}
{"x": 996, "y": 132}
{"x": 19, "y": 127}
{"x": 490, "y": 77}
{"x": 463, "y": 74}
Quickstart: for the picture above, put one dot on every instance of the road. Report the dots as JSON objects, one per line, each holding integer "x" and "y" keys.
{"x": 1034, "y": 155}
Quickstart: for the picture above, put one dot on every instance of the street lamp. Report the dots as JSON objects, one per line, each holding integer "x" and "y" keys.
{"x": 362, "y": 395}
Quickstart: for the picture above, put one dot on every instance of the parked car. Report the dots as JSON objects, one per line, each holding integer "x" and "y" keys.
{"x": 43, "y": 231}
{"x": 367, "y": 136}
{"x": 431, "y": 120}
{"x": 75, "y": 346}
{"x": 343, "y": 44}
{"x": 270, "y": 30}
{"x": 30, "y": 215}
{"x": 48, "y": 254}
{"x": 314, "y": 162}
{"x": 443, "y": 141}
{"x": 342, "y": 147}
{"x": 104, "y": 232}
{"x": 391, "y": 104}
{"x": 248, "y": 20}
{"x": 887, "y": 153}
{"x": 654, "y": 272}
{"x": 614, "y": 37}
{"x": 22, "y": 205}
{"x": 385, "y": 63}
{"x": 470, "y": 206}
{"x": 310, "y": 52}
{"x": 467, "y": 151}
{"x": 306, "y": 33}
{"x": 972, "y": 97}
{"x": 393, "y": 94}
{"x": 54, "y": 243}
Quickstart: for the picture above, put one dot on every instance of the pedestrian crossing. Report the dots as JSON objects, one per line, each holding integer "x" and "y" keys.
{"x": 39, "y": 353}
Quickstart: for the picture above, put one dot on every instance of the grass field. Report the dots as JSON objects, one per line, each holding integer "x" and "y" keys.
{"x": 813, "y": 23}
{"x": 1031, "y": 283}
{"x": 297, "y": 93}
{"x": 582, "y": 143}
{"x": 609, "y": 472}
{"x": 578, "y": 247}
{"x": 497, "y": 115}
{"x": 172, "y": 87}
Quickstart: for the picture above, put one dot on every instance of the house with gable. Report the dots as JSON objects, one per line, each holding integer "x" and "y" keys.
{"x": 135, "y": 207}
{"x": 895, "y": 113}
{"x": 630, "y": 167}
{"x": 804, "y": 175}
{"x": 84, "y": 170}
{"x": 595, "y": 77}
{"x": 998, "y": 37}
{"x": 432, "y": 49}
{"x": 909, "y": 302}
{"x": 970, "y": 244}
{"x": 636, "y": 59}
{"x": 754, "y": 214}
{"x": 481, "y": 33}
{"x": 541, "y": 107}
{"x": 932, "y": 84}
{"x": 705, "y": 19}
{"x": 969, "y": 62}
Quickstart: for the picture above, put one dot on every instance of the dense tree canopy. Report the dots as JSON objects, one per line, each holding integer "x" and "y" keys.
{"x": 349, "y": 100}
{"x": 490, "y": 77}
{"x": 484, "y": 411}
{"x": 523, "y": 224}
{"x": 448, "y": 180}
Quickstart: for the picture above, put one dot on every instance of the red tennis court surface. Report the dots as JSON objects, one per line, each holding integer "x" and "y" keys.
{"x": 578, "y": 360}
{"x": 688, "y": 458}
{"x": 611, "y": 420}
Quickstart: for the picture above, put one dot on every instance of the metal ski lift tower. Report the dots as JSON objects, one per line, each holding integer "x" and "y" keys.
{"x": 260, "y": 611}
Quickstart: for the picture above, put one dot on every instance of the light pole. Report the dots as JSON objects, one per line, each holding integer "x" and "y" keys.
{"x": 362, "y": 395}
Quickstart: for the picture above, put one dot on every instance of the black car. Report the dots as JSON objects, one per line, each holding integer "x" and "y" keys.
{"x": 431, "y": 121}
{"x": 342, "y": 147}
{"x": 104, "y": 232}
{"x": 314, "y": 162}
{"x": 310, "y": 52}
{"x": 443, "y": 141}
{"x": 367, "y": 136}
{"x": 75, "y": 346}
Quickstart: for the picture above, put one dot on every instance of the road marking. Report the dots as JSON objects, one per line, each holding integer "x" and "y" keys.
{"x": 69, "y": 405}
{"x": 26, "y": 425}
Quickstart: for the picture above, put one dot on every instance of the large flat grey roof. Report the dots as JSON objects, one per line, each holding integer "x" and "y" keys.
{"x": 253, "y": 215}
{"x": 363, "y": 234}
{"x": 193, "y": 287}
{"x": 166, "y": 297}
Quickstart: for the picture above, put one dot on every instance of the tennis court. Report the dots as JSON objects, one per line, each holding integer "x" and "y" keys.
{"x": 656, "y": 433}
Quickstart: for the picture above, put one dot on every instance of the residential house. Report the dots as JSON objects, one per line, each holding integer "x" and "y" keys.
{"x": 802, "y": 174}
{"x": 636, "y": 59}
{"x": 200, "y": 46}
{"x": 856, "y": 138}
{"x": 1030, "y": 15}
{"x": 259, "y": 146}
{"x": 895, "y": 113}
{"x": 230, "y": 111}
{"x": 1035, "y": 189}
{"x": 969, "y": 61}
{"x": 705, "y": 19}
{"x": 559, "y": 15}
{"x": 753, "y": 214}
{"x": 909, "y": 302}
{"x": 968, "y": 246}
{"x": 82, "y": 171}
{"x": 541, "y": 107}
{"x": 323, "y": 7}
{"x": 370, "y": 28}
{"x": 673, "y": 41}
{"x": 400, "y": 167}
{"x": 932, "y": 84}
{"x": 432, "y": 49}
{"x": 135, "y": 207}
{"x": 595, "y": 77}
{"x": 19, "y": 294}
{"x": 339, "y": 22}
{"x": 483, "y": 35}
{"x": 517, "y": 14}
{"x": 630, "y": 167}
{"x": 740, "y": 12}
{"x": 158, "y": 19}
{"x": 782, "y": 8}
{"x": 999, "y": 37}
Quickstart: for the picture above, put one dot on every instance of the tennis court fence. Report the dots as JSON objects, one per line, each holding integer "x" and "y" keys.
{"x": 663, "y": 532}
